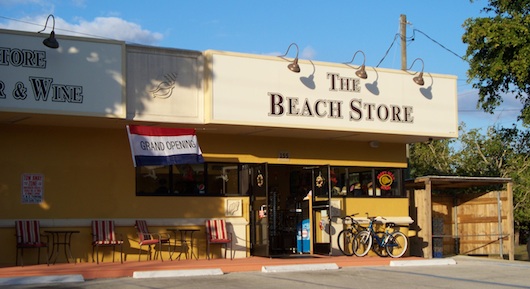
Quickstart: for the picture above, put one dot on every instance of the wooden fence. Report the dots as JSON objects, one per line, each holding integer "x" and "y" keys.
{"x": 470, "y": 224}
{"x": 449, "y": 220}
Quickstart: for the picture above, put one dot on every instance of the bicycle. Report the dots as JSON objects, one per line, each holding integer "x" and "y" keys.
{"x": 345, "y": 237}
{"x": 386, "y": 243}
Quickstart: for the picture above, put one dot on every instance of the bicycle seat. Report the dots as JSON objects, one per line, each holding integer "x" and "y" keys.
{"x": 390, "y": 224}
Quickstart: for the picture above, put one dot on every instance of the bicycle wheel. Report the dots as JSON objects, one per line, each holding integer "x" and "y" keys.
{"x": 379, "y": 250}
{"x": 397, "y": 244}
{"x": 362, "y": 243}
{"x": 345, "y": 242}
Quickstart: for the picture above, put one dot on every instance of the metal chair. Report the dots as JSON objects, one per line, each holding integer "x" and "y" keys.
{"x": 216, "y": 233}
{"x": 104, "y": 235}
{"x": 147, "y": 239}
{"x": 28, "y": 236}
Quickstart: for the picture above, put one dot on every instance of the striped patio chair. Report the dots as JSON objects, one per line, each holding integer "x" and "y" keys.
{"x": 104, "y": 235}
{"x": 147, "y": 239}
{"x": 216, "y": 233}
{"x": 28, "y": 236}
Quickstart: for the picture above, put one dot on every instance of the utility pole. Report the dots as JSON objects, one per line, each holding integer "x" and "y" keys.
{"x": 403, "y": 33}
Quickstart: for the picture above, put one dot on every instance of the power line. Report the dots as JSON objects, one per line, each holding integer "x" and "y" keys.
{"x": 388, "y": 50}
{"x": 495, "y": 110}
{"x": 441, "y": 45}
{"x": 66, "y": 30}
{"x": 413, "y": 38}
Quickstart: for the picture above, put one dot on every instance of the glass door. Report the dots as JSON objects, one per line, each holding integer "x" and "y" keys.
{"x": 322, "y": 179}
{"x": 259, "y": 210}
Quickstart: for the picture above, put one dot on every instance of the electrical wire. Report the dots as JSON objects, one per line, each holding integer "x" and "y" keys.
{"x": 66, "y": 30}
{"x": 441, "y": 45}
{"x": 413, "y": 38}
{"x": 388, "y": 50}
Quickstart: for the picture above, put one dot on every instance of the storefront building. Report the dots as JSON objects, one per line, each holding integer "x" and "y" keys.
{"x": 281, "y": 149}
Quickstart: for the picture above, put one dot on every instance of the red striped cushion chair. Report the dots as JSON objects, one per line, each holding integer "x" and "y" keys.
{"x": 147, "y": 239}
{"x": 104, "y": 235}
{"x": 28, "y": 236}
{"x": 216, "y": 233}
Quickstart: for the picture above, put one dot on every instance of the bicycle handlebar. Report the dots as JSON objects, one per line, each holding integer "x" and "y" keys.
{"x": 350, "y": 216}
{"x": 373, "y": 218}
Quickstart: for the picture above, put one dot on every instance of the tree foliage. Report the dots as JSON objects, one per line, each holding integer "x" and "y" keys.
{"x": 498, "y": 53}
{"x": 499, "y": 152}
{"x": 431, "y": 158}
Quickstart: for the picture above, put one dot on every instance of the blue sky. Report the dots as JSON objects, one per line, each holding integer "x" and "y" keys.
{"x": 328, "y": 31}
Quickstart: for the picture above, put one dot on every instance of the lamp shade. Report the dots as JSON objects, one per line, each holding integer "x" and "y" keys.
{"x": 51, "y": 42}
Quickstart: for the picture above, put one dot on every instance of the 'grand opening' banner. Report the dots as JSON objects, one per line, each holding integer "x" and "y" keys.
{"x": 163, "y": 146}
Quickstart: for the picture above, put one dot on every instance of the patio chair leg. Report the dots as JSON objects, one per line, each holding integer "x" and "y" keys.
{"x": 148, "y": 253}
{"x": 97, "y": 256}
{"x": 159, "y": 251}
{"x": 48, "y": 256}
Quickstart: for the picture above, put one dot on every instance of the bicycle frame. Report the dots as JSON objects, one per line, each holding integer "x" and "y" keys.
{"x": 381, "y": 241}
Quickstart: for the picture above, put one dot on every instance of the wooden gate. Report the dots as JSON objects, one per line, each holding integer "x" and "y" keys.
{"x": 449, "y": 221}
{"x": 470, "y": 224}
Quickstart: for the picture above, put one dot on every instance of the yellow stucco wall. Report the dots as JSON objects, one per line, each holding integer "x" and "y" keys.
{"x": 88, "y": 174}
{"x": 396, "y": 207}
{"x": 301, "y": 151}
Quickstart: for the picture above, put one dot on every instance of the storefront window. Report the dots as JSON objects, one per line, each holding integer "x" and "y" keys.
{"x": 231, "y": 179}
{"x": 208, "y": 179}
{"x": 366, "y": 182}
{"x": 388, "y": 182}
{"x": 225, "y": 179}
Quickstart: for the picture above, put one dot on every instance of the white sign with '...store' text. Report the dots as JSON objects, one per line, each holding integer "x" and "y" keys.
{"x": 262, "y": 91}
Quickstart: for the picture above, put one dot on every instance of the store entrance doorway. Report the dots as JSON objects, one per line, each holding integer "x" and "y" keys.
{"x": 283, "y": 221}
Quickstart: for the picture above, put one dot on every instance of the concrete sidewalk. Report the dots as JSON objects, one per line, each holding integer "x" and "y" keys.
{"x": 127, "y": 269}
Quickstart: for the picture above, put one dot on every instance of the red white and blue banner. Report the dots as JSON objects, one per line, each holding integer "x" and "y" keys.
{"x": 163, "y": 146}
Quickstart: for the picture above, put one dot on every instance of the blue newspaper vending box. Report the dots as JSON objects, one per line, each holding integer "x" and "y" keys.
{"x": 302, "y": 238}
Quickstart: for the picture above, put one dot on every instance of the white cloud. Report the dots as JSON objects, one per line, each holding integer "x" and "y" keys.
{"x": 100, "y": 27}
{"x": 308, "y": 53}
{"x": 504, "y": 115}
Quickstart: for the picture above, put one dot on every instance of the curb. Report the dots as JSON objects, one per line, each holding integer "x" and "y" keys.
{"x": 177, "y": 273}
{"x": 430, "y": 262}
{"x": 296, "y": 268}
{"x": 41, "y": 279}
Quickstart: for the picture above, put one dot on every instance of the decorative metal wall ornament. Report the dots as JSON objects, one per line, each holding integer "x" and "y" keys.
{"x": 259, "y": 179}
{"x": 165, "y": 88}
{"x": 320, "y": 180}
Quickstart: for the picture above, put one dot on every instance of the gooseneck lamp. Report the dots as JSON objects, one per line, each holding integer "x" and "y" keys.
{"x": 294, "y": 67}
{"x": 361, "y": 72}
{"x": 418, "y": 79}
{"x": 51, "y": 41}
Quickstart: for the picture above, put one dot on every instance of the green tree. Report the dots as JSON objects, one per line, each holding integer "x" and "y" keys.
{"x": 518, "y": 169}
{"x": 499, "y": 152}
{"x": 498, "y": 54}
{"x": 482, "y": 155}
{"x": 431, "y": 158}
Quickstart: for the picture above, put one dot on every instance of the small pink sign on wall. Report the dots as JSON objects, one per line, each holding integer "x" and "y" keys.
{"x": 32, "y": 188}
